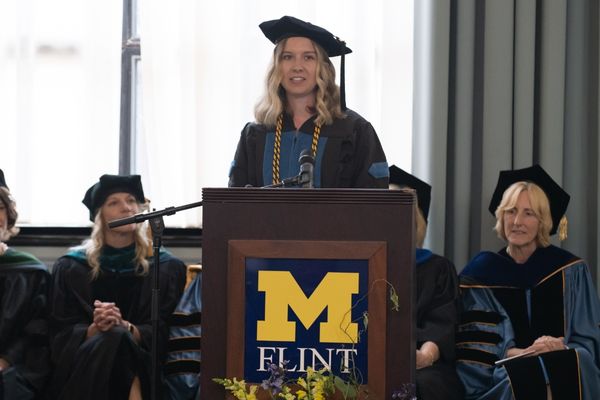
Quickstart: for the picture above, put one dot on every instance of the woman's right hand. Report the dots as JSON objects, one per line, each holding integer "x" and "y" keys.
{"x": 543, "y": 344}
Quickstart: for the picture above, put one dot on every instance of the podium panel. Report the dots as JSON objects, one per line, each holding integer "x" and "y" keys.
{"x": 295, "y": 275}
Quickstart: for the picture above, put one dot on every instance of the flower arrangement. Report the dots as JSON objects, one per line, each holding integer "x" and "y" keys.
{"x": 315, "y": 384}
{"x": 238, "y": 388}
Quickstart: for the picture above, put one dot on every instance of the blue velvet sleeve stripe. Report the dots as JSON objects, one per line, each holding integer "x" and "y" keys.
{"x": 474, "y": 355}
{"x": 188, "y": 343}
{"x": 481, "y": 337}
{"x": 185, "y": 366}
{"x": 379, "y": 170}
{"x": 180, "y": 319}
{"x": 480, "y": 316}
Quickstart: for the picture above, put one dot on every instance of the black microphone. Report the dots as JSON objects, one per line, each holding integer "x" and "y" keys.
{"x": 307, "y": 165}
{"x": 141, "y": 217}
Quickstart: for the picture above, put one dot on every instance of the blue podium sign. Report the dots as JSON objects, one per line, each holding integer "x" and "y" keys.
{"x": 307, "y": 312}
{"x": 305, "y": 304}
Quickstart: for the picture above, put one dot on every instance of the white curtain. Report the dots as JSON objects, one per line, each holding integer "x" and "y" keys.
{"x": 203, "y": 65}
{"x": 60, "y": 70}
{"x": 503, "y": 85}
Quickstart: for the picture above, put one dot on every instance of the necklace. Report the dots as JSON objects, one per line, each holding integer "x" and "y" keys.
{"x": 277, "y": 146}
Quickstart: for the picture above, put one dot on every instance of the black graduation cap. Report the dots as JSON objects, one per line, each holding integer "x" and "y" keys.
{"x": 2, "y": 180}
{"x": 558, "y": 198}
{"x": 278, "y": 29}
{"x": 402, "y": 178}
{"x": 109, "y": 184}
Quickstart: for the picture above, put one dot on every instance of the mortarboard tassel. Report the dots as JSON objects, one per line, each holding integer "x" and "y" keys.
{"x": 342, "y": 75}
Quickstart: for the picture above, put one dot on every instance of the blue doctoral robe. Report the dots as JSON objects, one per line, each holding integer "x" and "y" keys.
{"x": 506, "y": 305}
{"x": 182, "y": 367}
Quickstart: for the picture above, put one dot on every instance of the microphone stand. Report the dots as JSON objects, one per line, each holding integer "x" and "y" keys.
{"x": 157, "y": 226}
{"x": 304, "y": 179}
{"x": 294, "y": 181}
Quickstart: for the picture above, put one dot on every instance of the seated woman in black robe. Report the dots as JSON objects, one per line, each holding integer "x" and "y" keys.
{"x": 101, "y": 301}
{"x": 530, "y": 314}
{"x": 437, "y": 293}
{"x": 24, "y": 353}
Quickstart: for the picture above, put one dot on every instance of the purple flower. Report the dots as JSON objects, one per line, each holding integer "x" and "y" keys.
{"x": 276, "y": 379}
{"x": 406, "y": 392}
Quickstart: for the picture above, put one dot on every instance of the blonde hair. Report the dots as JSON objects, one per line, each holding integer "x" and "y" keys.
{"x": 273, "y": 101}
{"x": 93, "y": 246}
{"x": 11, "y": 214}
{"x": 539, "y": 204}
{"x": 421, "y": 227}
{"x": 421, "y": 223}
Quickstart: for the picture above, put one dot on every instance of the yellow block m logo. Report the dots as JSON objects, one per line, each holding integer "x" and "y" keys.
{"x": 334, "y": 292}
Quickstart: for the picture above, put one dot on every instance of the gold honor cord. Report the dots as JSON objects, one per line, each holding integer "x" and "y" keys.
{"x": 277, "y": 149}
{"x": 277, "y": 146}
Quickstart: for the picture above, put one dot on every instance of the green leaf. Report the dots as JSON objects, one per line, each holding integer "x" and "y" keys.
{"x": 394, "y": 299}
{"x": 347, "y": 389}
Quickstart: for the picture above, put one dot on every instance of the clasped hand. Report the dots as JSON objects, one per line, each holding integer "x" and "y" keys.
{"x": 106, "y": 315}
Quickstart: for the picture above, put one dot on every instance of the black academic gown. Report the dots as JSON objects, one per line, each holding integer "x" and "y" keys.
{"x": 437, "y": 293}
{"x": 23, "y": 327}
{"x": 349, "y": 154}
{"x": 103, "y": 366}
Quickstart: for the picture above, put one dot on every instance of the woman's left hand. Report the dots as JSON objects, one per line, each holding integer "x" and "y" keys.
{"x": 427, "y": 355}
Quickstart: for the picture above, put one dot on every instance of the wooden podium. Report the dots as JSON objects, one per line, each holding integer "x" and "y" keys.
{"x": 372, "y": 226}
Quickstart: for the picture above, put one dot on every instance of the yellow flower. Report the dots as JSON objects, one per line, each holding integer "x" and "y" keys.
{"x": 286, "y": 394}
{"x": 302, "y": 383}
{"x": 301, "y": 394}
{"x": 319, "y": 386}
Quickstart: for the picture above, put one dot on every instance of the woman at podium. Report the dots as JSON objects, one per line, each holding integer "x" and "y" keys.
{"x": 101, "y": 300}
{"x": 24, "y": 352}
{"x": 437, "y": 293}
{"x": 302, "y": 109}
{"x": 529, "y": 327}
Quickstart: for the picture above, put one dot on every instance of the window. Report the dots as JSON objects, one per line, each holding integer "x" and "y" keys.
{"x": 131, "y": 82}
{"x": 60, "y": 72}
{"x": 192, "y": 87}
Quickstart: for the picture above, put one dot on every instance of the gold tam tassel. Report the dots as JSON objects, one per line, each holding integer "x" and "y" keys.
{"x": 562, "y": 228}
